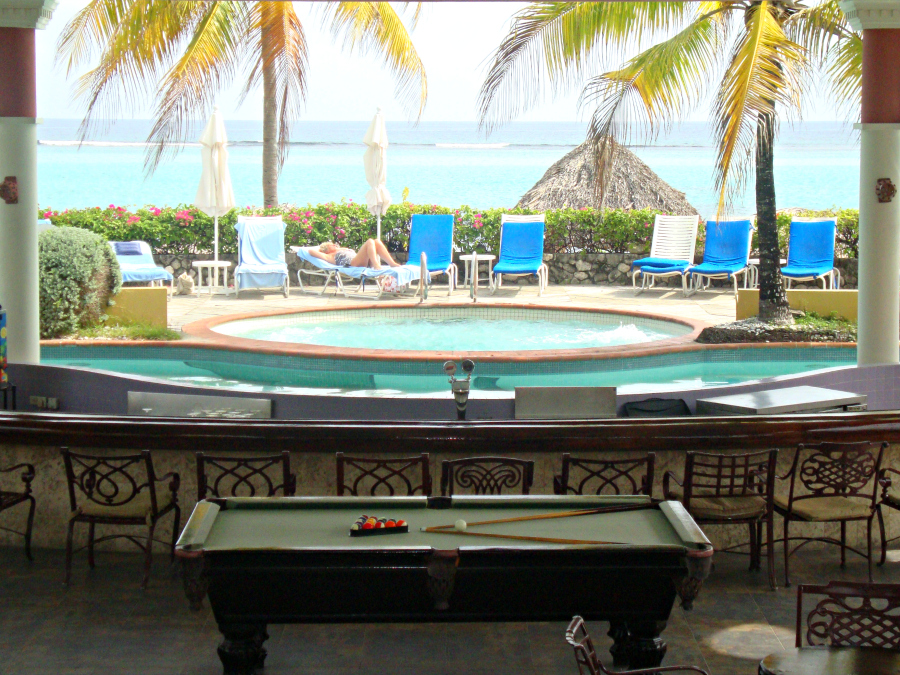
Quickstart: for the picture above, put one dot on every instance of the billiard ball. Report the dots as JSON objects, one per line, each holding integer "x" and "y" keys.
{"x": 460, "y": 525}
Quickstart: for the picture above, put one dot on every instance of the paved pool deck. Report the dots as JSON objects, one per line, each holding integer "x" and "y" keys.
{"x": 713, "y": 306}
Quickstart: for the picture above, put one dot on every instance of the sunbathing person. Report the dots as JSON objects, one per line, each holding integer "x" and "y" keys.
{"x": 370, "y": 255}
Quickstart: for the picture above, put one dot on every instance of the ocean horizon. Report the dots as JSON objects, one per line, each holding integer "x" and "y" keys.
{"x": 446, "y": 163}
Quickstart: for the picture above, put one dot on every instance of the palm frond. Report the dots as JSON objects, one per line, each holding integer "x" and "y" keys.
{"x": 284, "y": 49}
{"x": 652, "y": 90}
{"x": 818, "y": 28}
{"x": 765, "y": 69}
{"x": 844, "y": 73}
{"x": 207, "y": 64}
{"x": 557, "y": 42}
{"x": 375, "y": 28}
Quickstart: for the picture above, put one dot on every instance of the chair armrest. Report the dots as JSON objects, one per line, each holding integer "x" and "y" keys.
{"x": 27, "y": 475}
{"x": 885, "y": 481}
{"x": 175, "y": 481}
{"x": 667, "y": 476}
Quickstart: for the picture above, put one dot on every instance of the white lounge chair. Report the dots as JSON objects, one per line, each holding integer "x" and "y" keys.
{"x": 261, "y": 254}
{"x": 671, "y": 251}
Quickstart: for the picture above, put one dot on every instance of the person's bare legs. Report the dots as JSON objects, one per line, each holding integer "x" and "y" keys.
{"x": 367, "y": 256}
{"x": 382, "y": 251}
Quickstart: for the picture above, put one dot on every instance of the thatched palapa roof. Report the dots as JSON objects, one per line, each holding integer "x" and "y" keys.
{"x": 570, "y": 183}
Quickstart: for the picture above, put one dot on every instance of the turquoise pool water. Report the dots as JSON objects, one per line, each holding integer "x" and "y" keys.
{"x": 288, "y": 374}
{"x": 470, "y": 329}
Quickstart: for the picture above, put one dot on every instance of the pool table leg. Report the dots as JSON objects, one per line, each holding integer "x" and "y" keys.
{"x": 646, "y": 648}
{"x": 618, "y": 631}
{"x": 242, "y": 651}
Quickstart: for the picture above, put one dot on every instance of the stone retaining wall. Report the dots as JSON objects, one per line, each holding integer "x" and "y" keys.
{"x": 568, "y": 269}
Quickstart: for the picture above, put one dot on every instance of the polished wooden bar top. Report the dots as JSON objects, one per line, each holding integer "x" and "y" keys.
{"x": 832, "y": 661}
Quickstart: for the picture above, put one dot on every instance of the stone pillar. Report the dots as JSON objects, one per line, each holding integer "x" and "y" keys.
{"x": 18, "y": 174}
{"x": 879, "y": 210}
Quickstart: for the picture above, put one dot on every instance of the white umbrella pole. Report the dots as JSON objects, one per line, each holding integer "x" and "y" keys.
{"x": 216, "y": 238}
{"x": 378, "y": 230}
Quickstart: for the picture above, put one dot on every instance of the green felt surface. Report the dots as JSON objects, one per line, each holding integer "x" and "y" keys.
{"x": 297, "y": 524}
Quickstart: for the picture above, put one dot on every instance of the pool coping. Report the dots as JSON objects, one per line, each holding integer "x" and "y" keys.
{"x": 203, "y": 330}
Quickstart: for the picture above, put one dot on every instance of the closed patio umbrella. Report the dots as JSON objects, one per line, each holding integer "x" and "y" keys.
{"x": 215, "y": 196}
{"x": 378, "y": 198}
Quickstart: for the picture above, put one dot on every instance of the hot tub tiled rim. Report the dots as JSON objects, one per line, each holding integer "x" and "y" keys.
{"x": 203, "y": 331}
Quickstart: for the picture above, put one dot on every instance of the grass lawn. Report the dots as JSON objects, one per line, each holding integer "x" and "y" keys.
{"x": 135, "y": 331}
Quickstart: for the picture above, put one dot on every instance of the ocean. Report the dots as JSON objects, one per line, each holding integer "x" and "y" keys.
{"x": 446, "y": 163}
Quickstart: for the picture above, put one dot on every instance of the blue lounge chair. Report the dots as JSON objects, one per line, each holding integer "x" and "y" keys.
{"x": 433, "y": 236}
{"x": 671, "y": 251}
{"x": 261, "y": 254}
{"x": 727, "y": 254}
{"x": 404, "y": 276}
{"x": 137, "y": 263}
{"x": 521, "y": 250}
{"x": 811, "y": 252}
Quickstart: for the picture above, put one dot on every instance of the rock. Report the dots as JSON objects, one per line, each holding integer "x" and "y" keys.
{"x": 623, "y": 268}
{"x": 170, "y": 269}
{"x": 580, "y": 276}
{"x": 582, "y": 265}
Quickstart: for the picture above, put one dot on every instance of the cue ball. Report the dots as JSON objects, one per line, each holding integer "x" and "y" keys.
{"x": 460, "y": 526}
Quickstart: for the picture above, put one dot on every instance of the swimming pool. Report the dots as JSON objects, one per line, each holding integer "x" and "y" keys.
{"x": 456, "y": 329}
{"x": 689, "y": 368}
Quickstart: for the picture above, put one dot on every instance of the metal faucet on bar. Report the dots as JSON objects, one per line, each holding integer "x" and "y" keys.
{"x": 459, "y": 387}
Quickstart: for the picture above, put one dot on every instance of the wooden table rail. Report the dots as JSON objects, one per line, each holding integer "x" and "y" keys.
{"x": 695, "y": 433}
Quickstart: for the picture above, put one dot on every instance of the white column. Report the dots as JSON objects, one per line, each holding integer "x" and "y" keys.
{"x": 879, "y": 247}
{"x": 18, "y": 241}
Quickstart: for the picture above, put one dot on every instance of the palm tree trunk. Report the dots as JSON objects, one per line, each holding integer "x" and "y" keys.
{"x": 773, "y": 305}
{"x": 270, "y": 167}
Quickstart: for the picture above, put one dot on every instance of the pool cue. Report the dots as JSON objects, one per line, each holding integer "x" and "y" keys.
{"x": 547, "y": 516}
{"x": 544, "y": 540}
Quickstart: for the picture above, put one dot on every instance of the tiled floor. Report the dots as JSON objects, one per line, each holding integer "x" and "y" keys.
{"x": 714, "y": 306}
{"x": 105, "y": 624}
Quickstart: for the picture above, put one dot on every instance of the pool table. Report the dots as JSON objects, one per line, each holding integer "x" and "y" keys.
{"x": 292, "y": 560}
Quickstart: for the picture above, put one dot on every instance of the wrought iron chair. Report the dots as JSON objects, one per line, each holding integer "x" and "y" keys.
{"x": 836, "y": 477}
{"x": 380, "y": 476}
{"x": 581, "y": 476}
{"x": 233, "y": 476}
{"x": 10, "y": 498}
{"x": 486, "y": 475}
{"x": 890, "y": 497}
{"x": 851, "y": 615}
{"x": 105, "y": 490}
{"x": 728, "y": 490}
{"x": 589, "y": 663}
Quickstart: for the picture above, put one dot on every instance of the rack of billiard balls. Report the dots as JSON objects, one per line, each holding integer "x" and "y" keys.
{"x": 369, "y": 525}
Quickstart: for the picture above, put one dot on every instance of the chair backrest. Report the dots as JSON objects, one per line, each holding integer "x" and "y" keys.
{"x": 486, "y": 475}
{"x": 109, "y": 480}
{"x": 674, "y": 237}
{"x": 260, "y": 240}
{"x": 585, "y": 653}
{"x": 811, "y": 242}
{"x": 433, "y": 236}
{"x": 133, "y": 252}
{"x": 581, "y": 476}
{"x": 721, "y": 475}
{"x": 836, "y": 469}
{"x": 851, "y": 615}
{"x": 233, "y": 476}
{"x": 522, "y": 240}
{"x": 728, "y": 242}
{"x": 385, "y": 477}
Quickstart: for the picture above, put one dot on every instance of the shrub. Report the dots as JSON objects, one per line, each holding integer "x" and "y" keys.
{"x": 78, "y": 273}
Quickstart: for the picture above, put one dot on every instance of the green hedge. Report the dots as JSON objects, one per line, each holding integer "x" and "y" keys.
{"x": 77, "y": 274}
{"x": 184, "y": 229}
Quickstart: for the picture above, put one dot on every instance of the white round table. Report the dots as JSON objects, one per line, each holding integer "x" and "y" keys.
{"x": 212, "y": 268}
{"x": 471, "y": 276}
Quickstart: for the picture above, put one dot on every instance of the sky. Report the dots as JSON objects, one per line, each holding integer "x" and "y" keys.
{"x": 454, "y": 40}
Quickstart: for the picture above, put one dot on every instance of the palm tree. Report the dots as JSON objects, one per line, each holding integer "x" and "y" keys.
{"x": 753, "y": 56}
{"x": 184, "y": 53}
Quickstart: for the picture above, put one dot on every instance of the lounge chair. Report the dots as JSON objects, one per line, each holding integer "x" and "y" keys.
{"x": 433, "y": 236}
{"x": 727, "y": 254}
{"x": 405, "y": 276}
{"x": 261, "y": 254}
{"x": 671, "y": 251}
{"x": 521, "y": 250}
{"x": 137, "y": 263}
{"x": 811, "y": 252}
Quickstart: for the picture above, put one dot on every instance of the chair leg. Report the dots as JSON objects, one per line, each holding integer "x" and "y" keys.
{"x": 69, "y": 537}
{"x": 91, "y": 545}
{"x": 787, "y": 553}
{"x": 883, "y": 536}
{"x": 770, "y": 549}
{"x": 148, "y": 557}
{"x": 869, "y": 545}
{"x": 843, "y": 543}
{"x": 28, "y": 528}
{"x": 753, "y": 545}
